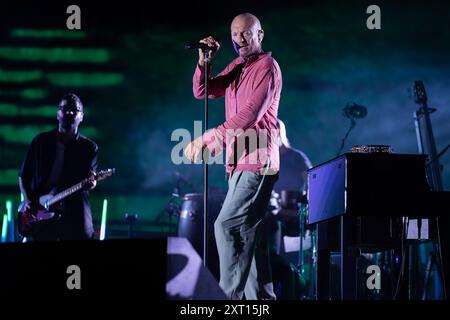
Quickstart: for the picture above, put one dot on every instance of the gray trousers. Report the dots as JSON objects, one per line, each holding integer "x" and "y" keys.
{"x": 243, "y": 250}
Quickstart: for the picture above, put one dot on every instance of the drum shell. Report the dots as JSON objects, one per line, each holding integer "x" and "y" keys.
{"x": 190, "y": 224}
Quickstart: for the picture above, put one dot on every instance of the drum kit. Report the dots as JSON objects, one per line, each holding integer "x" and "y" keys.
{"x": 190, "y": 223}
{"x": 297, "y": 238}
{"x": 289, "y": 208}
{"x": 286, "y": 207}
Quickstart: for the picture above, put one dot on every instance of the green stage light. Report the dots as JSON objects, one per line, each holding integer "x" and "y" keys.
{"x": 9, "y": 209}
{"x": 89, "y": 132}
{"x": 8, "y": 109}
{"x": 33, "y": 94}
{"x": 53, "y": 55}
{"x": 83, "y": 79}
{"x": 103, "y": 224}
{"x": 13, "y": 110}
{"x": 11, "y": 232}
{"x": 9, "y": 177}
{"x": 42, "y": 111}
{"x": 4, "y": 227}
{"x": 47, "y": 34}
{"x": 24, "y": 134}
{"x": 16, "y": 76}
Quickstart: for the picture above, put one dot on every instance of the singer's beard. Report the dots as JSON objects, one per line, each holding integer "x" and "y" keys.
{"x": 68, "y": 124}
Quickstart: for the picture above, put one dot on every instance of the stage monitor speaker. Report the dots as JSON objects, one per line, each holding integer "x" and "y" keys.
{"x": 187, "y": 278}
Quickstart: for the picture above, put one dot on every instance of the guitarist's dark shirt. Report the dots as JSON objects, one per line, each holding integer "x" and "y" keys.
{"x": 80, "y": 157}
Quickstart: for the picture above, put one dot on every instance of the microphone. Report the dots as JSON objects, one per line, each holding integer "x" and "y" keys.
{"x": 353, "y": 110}
{"x": 198, "y": 45}
{"x": 235, "y": 47}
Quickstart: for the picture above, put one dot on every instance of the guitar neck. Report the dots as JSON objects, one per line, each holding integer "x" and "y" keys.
{"x": 66, "y": 193}
{"x": 99, "y": 176}
{"x": 434, "y": 171}
{"x": 433, "y": 167}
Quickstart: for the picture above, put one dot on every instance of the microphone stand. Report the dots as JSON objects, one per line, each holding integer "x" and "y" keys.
{"x": 207, "y": 53}
{"x": 352, "y": 125}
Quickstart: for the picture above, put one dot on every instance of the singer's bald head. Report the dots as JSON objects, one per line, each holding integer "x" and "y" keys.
{"x": 248, "y": 19}
{"x": 247, "y": 34}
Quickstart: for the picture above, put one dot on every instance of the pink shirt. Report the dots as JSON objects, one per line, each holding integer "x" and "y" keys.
{"x": 252, "y": 97}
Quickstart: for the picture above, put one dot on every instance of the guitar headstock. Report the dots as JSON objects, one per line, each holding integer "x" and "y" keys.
{"x": 103, "y": 174}
{"x": 420, "y": 95}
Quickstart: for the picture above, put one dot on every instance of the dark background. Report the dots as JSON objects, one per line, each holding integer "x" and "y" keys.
{"x": 129, "y": 67}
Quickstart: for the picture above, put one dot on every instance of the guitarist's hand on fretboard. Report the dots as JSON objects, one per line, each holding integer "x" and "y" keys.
{"x": 91, "y": 182}
{"x": 24, "y": 206}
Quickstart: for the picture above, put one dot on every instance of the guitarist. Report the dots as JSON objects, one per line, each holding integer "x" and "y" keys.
{"x": 55, "y": 161}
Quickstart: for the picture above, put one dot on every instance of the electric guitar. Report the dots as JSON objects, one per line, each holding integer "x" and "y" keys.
{"x": 30, "y": 217}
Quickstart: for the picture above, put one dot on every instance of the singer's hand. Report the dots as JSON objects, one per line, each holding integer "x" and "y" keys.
{"x": 211, "y": 42}
{"x": 194, "y": 150}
